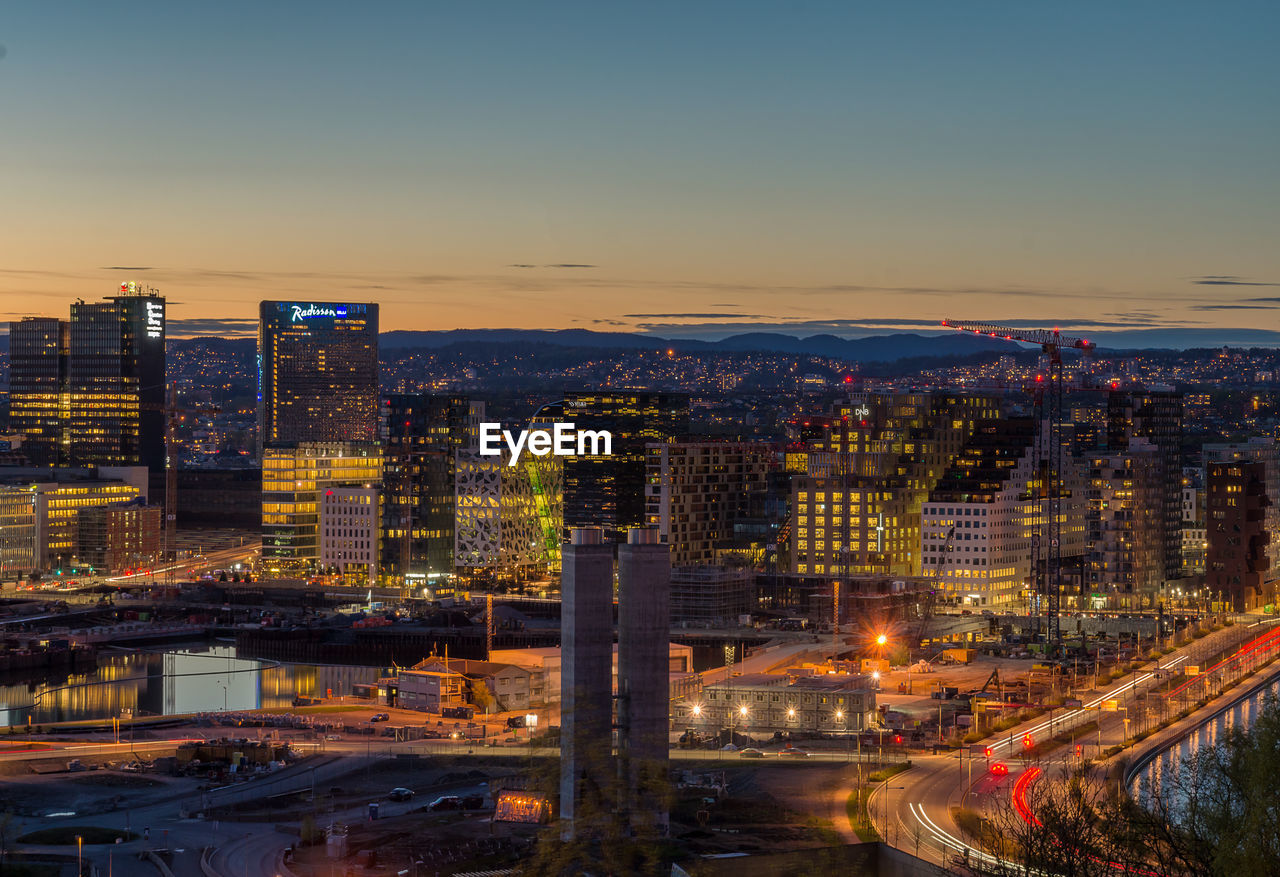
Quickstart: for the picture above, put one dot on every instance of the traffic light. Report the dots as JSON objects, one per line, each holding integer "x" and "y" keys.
{"x": 988, "y": 752}
{"x": 897, "y": 739}
{"x": 1027, "y": 742}
{"x": 1079, "y": 750}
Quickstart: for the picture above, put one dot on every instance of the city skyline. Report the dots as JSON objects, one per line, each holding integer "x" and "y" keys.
{"x": 683, "y": 172}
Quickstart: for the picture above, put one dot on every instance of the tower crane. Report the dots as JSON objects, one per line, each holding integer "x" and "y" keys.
{"x": 930, "y": 600}
{"x": 1048, "y": 574}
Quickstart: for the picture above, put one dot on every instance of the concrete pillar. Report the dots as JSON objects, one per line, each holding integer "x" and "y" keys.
{"x": 586, "y": 675}
{"x": 644, "y": 702}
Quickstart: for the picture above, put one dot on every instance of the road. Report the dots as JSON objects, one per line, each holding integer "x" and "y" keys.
{"x": 912, "y": 810}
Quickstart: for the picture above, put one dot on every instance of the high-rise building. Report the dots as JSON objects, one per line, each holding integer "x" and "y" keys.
{"x": 695, "y": 493}
{"x": 608, "y": 491}
{"x": 979, "y": 525}
{"x": 1127, "y": 529}
{"x": 1194, "y": 536}
{"x": 349, "y": 524}
{"x": 294, "y": 479}
{"x": 90, "y": 391}
{"x": 644, "y": 696}
{"x": 507, "y": 518}
{"x": 1156, "y": 416}
{"x": 1266, "y": 451}
{"x": 423, "y": 433}
{"x": 38, "y": 400}
{"x": 18, "y": 552}
{"x": 120, "y": 537}
{"x": 318, "y": 372}
{"x": 1238, "y": 569}
{"x": 116, "y": 380}
{"x": 586, "y": 695}
{"x": 59, "y": 499}
{"x": 858, "y": 508}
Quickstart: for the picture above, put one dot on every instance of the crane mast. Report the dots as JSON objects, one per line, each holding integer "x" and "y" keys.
{"x": 1046, "y": 542}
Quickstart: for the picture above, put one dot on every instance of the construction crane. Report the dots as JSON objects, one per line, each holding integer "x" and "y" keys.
{"x": 926, "y": 613}
{"x": 1046, "y": 565}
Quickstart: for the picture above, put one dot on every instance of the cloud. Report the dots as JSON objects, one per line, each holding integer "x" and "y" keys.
{"x": 1228, "y": 280}
{"x": 521, "y": 265}
{"x": 126, "y": 268}
{"x": 697, "y": 316}
{"x": 569, "y": 265}
{"x": 1233, "y": 307}
{"x": 227, "y": 327}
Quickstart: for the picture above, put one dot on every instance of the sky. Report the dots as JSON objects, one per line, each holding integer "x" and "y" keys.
{"x": 686, "y": 169}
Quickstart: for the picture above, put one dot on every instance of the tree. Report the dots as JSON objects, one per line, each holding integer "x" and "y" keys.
{"x": 482, "y": 697}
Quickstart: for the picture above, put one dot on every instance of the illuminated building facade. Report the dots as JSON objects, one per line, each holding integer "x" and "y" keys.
{"x": 317, "y": 372}
{"x": 981, "y": 519}
{"x": 1156, "y": 417}
{"x": 609, "y": 491}
{"x": 38, "y": 399}
{"x": 1126, "y": 526}
{"x": 1195, "y": 539}
{"x": 508, "y": 518}
{"x": 857, "y": 511}
{"x": 695, "y": 492}
{"x": 18, "y": 553}
{"x": 422, "y": 434}
{"x": 41, "y": 511}
{"x": 349, "y": 524}
{"x": 762, "y": 703}
{"x": 116, "y": 379}
{"x": 1238, "y": 567}
{"x": 294, "y": 477}
{"x": 115, "y": 538}
{"x": 1265, "y": 451}
{"x": 90, "y": 391}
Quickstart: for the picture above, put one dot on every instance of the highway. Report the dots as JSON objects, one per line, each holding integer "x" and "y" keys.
{"x": 912, "y": 810}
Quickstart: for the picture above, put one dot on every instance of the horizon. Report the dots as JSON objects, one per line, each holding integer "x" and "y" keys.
{"x": 790, "y": 170}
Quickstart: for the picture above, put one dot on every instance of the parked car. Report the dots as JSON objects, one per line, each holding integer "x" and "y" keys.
{"x": 333, "y": 736}
{"x": 473, "y": 802}
{"x": 445, "y": 802}
{"x": 381, "y": 717}
{"x": 791, "y": 752}
{"x": 400, "y": 794}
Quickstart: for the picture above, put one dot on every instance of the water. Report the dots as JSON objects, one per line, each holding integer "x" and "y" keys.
{"x": 186, "y": 679}
{"x": 1162, "y": 768}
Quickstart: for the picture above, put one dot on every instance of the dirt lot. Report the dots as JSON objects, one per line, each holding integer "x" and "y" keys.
{"x": 99, "y": 791}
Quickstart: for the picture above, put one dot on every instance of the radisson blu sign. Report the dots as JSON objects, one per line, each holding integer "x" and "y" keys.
{"x": 298, "y": 313}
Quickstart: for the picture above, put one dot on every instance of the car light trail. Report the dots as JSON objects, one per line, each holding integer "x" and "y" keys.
{"x": 1093, "y": 704}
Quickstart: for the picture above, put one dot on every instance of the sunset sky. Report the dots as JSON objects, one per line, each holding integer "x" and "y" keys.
{"x": 686, "y": 168}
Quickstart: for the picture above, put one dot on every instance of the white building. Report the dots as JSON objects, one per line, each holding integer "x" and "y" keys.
{"x": 978, "y": 527}
{"x": 349, "y": 519}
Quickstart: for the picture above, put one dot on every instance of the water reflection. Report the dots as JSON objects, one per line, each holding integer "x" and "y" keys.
{"x": 187, "y": 680}
{"x": 1162, "y": 772}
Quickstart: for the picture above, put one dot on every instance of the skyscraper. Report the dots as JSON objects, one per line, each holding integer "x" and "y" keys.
{"x": 317, "y": 372}
{"x": 116, "y": 380}
{"x": 608, "y": 491}
{"x": 1155, "y": 415}
{"x": 91, "y": 391}
{"x": 644, "y": 697}
{"x": 586, "y": 708}
{"x": 38, "y": 348}
{"x": 423, "y": 433}
{"x": 294, "y": 480}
